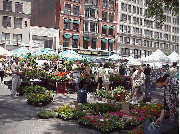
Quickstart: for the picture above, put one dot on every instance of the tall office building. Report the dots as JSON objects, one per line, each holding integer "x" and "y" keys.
{"x": 138, "y": 36}
{"x": 14, "y": 24}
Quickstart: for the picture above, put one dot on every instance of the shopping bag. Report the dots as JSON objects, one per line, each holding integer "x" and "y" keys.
{"x": 151, "y": 128}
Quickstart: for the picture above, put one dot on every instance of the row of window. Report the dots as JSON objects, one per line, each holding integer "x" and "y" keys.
{"x": 131, "y": 9}
{"x": 7, "y": 6}
{"x": 6, "y": 22}
{"x": 17, "y": 38}
{"x": 105, "y": 4}
{"x": 67, "y": 10}
{"x": 86, "y": 43}
{"x": 147, "y": 43}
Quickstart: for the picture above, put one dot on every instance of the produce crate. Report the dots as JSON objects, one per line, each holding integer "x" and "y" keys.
{"x": 61, "y": 87}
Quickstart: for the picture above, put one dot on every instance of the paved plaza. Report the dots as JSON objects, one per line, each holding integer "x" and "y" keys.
{"x": 17, "y": 117}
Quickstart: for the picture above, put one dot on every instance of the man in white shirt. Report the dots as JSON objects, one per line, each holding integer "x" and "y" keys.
{"x": 16, "y": 81}
{"x": 138, "y": 79}
{"x": 76, "y": 73}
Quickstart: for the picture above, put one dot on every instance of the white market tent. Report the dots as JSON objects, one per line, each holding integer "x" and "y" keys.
{"x": 174, "y": 57}
{"x": 114, "y": 57}
{"x": 132, "y": 61}
{"x": 157, "y": 56}
{"x": 5, "y": 52}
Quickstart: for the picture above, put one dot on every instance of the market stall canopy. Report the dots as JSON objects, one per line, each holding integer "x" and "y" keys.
{"x": 46, "y": 51}
{"x": 158, "y": 56}
{"x": 114, "y": 57}
{"x": 21, "y": 51}
{"x": 132, "y": 61}
{"x": 71, "y": 55}
{"x": 173, "y": 57}
{"x": 5, "y": 52}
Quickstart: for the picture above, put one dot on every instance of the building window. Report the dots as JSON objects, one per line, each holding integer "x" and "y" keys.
{"x": 65, "y": 42}
{"x": 86, "y": 26}
{"x": 104, "y": 16}
{"x": 74, "y": 43}
{"x": 86, "y": 2}
{"x": 7, "y": 5}
{"x": 6, "y": 21}
{"x": 17, "y": 22}
{"x": 25, "y": 23}
{"x": 104, "y": 29}
{"x": 17, "y": 39}
{"x": 92, "y": 26}
{"x": 86, "y": 12}
{"x": 140, "y": 31}
{"x": 129, "y": 19}
{"x": 121, "y": 39}
{"x": 91, "y": 2}
{"x": 5, "y": 38}
{"x": 125, "y": 7}
{"x": 134, "y": 20}
{"x": 111, "y": 17}
{"x": 93, "y": 46}
{"x": 134, "y": 9}
{"x": 104, "y": 4}
{"x": 67, "y": 9}
{"x": 75, "y": 27}
{"x": 129, "y": 8}
{"x": 110, "y": 46}
{"x": 137, "y": 31}
{"x": 125, "y": 29}
{"x": 110, "y": 32}
{"x": 140, "y": 22}
{"x": 133, "y": 41}
{"x": 140, "y": 11}
{"x": 18, "y": 7}
{"x": 85, "y": 44}
{"x": 121, "y": 28}
{"x": 111, "y": 5}
{"x": 103, "y": 46}
{"x": 128, "y": 29}
{"x": 137, "y": 10}
{"x": 67, "y": 23}
{"x": 75, "y": 10}
{"x": 151, "y": 34}
{"x": 92, "y": 13}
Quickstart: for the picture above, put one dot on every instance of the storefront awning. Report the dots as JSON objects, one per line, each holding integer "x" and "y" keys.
{"x": 111, "y": 27}
{"x": 95, "y": 40}
{"x": 76, "y": 22}
{"x": 75, "y": 37}
{"x": 67, "y": 36}
{"x": 67, "y": 20}
{"x": 104, "y": 27}
{"x": 86, "y": 39}
{"x": 111, "y": 41}
{"x": 104, "y": 40}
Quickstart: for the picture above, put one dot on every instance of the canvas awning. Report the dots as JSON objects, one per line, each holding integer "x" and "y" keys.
{"x": 67, "y": 20}
{"x": 76, "y": 22}
{"x": 67, "y": 36}
{"x": 105, "y": 27}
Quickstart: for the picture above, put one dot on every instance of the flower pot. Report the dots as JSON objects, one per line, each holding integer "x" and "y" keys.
{"x": 29, "y": 102}
{"x": 44, "y": 103}
{"x": 21, "y": 93}
{"x": 36, "y": 104}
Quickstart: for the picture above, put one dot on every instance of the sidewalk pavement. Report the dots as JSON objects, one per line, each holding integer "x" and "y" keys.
{"x": 18, "y": 117}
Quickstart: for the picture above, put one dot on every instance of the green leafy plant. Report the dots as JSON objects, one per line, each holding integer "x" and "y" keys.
{"x": 45, "y": 114}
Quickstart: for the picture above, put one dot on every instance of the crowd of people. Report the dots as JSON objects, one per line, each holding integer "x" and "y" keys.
{"x": 142, "y": 80}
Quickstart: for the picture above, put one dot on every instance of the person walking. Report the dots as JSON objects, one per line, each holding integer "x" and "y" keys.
{"x": 147, "y": 72}
{"x": 138, "y": 79}
{"x": 16, "y": 81}
{"x": 76, "y": 73}
{"x": 169, "y": 118}
{"x": 2, "y": 69}
{"x": 100, "y": 81}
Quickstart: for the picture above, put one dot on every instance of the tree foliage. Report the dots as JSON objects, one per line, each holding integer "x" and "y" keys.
{"x": 157, "y": 8}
